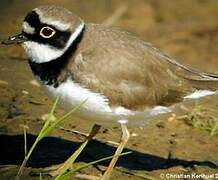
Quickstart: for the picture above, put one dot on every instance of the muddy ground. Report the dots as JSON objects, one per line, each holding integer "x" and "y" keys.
{"x": 186, "y": 30}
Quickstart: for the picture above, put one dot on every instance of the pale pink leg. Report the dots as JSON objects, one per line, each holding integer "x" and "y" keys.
{"x": 123, "y": 142}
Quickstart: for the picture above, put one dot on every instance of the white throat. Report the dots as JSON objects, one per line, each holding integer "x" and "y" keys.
{"x": 41, "y": 53}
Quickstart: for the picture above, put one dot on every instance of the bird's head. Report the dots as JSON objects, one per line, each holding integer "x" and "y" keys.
{"x": 47, "y": 33}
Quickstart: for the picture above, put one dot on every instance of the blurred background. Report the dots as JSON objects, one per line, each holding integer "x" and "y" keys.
{"x": 187, "y": 30}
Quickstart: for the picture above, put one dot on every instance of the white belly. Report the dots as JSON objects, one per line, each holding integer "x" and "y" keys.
{"x": 96, "y": 107}
{"x": 72, "y": 94}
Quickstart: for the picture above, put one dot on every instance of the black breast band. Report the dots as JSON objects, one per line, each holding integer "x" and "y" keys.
{"x": 49, "y": 72}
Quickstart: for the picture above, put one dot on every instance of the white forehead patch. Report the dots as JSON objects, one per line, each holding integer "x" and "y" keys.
{"x": 41, "y": 53}
{"x": 59, "y": 25}
{"x": 27, "y": 28}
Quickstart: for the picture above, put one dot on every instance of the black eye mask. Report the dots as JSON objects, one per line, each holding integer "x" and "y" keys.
{"x": 58, "y": 40}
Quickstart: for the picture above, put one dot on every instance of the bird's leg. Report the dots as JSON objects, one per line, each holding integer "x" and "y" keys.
{"x": 55, "y": 170}
{"x": 94, "y": 131}
{"x": 123, "y": 142}
{"x": 86, "y": 135}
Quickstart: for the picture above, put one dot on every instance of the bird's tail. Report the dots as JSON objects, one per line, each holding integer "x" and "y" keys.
{"x": 208, "y": 81}
{"x": 200, "y": 80}
{"x": 197, "y": 79}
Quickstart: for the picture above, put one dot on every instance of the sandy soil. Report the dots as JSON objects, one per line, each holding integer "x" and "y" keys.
{"x": 186, "y": 30}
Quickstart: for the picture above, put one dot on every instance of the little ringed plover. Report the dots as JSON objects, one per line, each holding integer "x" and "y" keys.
{"x": 120, "y": 75}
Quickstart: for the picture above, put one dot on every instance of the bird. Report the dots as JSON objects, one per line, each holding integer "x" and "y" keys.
{"x": 122, "y": 78}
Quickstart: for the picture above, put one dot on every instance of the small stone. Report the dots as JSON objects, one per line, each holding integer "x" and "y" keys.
{"x": 25, "y": 92}
{"x": 134, "y": 134}
{"x": 48, "y": 117}
{"x": 34, "y": 83}
{"x": 160, "y": 125}
{"x": 172, "y": 118}
{"x": 3, "y": 82}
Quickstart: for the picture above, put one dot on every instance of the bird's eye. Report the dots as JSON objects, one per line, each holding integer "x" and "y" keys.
{"x": 47, "y": 32}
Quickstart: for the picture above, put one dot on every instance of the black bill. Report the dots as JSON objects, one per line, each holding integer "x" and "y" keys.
{"x": 17, "y": 39}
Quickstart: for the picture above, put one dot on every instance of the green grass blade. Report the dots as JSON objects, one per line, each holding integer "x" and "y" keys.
{"x": 70, "y": 174}
{"x": 67, "y": 165}
{"x": 47, "y": 122}
{"x": 54, "y": 106}
{"x": 58, "y": 121}
{"x": 25, "y": 141}
{"x": 40, "y": 176}
{"x": 46, "y": 129}
{"x": 27, "y": 158}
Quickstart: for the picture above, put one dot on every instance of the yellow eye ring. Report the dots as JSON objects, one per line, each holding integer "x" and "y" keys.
{"x": 47, "y": 32}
